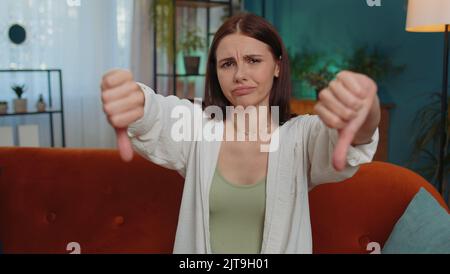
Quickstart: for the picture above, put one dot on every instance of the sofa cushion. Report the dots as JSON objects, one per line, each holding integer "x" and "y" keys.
{"x": 423, "y": 228}
{"x": 50, "y": 198}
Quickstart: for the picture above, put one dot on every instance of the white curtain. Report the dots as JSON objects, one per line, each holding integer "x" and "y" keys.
{"x": 84, "y": 38}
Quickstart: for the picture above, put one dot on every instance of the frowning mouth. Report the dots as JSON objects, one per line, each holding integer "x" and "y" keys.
{"x": 243, "y": 91}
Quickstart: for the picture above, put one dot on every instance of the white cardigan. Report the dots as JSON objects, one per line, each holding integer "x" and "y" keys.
{"x": 303, "y": 161}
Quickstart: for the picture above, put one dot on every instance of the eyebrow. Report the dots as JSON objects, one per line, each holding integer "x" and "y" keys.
{"x": 245, "y": 56}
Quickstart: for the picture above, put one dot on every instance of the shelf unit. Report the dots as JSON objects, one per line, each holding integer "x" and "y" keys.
{"x": 172, "y": 76}
{"x": 50, "y": 110}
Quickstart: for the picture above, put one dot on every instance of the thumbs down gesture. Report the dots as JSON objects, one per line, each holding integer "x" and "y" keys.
{"x": 351, "y": 106}
{"x": 123, "y": 104}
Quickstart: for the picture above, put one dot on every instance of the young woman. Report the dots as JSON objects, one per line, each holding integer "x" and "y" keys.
{"x": 237, "y": 197}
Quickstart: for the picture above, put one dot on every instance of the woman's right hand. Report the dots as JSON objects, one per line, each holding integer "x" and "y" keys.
{"x": 123, "y": 103}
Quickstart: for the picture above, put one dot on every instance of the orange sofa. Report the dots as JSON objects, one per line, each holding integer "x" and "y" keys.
{"x": 52, "y": 197}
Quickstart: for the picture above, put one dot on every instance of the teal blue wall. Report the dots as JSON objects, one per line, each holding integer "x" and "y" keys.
{"x": 339, "y": 26}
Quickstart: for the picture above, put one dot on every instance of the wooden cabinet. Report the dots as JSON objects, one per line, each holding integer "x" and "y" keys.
{"x": 383, "y": 145}
{"x": 301, "y": 107}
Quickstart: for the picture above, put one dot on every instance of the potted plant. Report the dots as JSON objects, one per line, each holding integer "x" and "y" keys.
{"x": 191, "y": 41}
{"x": 40, "y": 105}
{"x": 320, "y": 78}
{"x": 3, "y": 107}
{"x": 426, "y": 139}
{"x": 375, "y": 63}
{"x": 314, "y": 69}
{"x": 162, "y": 13}
{"x": 301, "y": 63}
{"x": 318, "y": 69}
{"x": 20, "y": 105}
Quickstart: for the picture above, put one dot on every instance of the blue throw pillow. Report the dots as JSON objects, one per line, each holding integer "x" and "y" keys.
{"x": 424, "y": 228}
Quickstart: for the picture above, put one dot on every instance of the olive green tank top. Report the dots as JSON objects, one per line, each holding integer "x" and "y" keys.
{"x": 237, "y": 212}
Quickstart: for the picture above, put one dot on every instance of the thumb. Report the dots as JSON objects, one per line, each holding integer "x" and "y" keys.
{"x": 346, "y": 136}
{"x": 124, "y": 145}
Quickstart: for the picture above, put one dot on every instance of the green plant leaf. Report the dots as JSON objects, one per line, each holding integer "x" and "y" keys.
{"x": 427, "y": 125}
{"x": 162, "y": 14}
{"x": 374, "y": 62}
{"x": 191, "y": 41}
{"x": 19, "y": 90}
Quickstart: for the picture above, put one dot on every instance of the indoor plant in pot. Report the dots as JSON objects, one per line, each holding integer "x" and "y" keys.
{"x": 162, "y": 13}
{"x": 3, "y": 107}
{"x": 191, "y": 41}
{"x": 315, "y": 69}
{"x": 374, "y": 62}
{"x": 377, "y": 63}
{"x": 20, "y": 105}
{"x": 40, "y": 105}
{"x": 426, "y": 133}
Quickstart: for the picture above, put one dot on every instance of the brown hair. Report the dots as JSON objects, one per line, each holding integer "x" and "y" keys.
{"x": 258, "y": 28}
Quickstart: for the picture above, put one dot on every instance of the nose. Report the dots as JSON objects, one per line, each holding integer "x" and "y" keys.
{"x": 240, "y": 75}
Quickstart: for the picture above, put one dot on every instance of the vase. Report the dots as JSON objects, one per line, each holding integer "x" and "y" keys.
{"x": 20, "y": 105}
{"x": 40, "y": 106}
{"x": 3, "y": 108}
{"x": 192, "y": 65}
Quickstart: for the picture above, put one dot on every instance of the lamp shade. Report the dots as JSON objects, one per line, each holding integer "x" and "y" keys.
{"x": 428, "y": 15}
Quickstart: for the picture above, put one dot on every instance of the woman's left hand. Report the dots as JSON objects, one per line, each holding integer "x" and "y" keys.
{"x": 349, "y": 104}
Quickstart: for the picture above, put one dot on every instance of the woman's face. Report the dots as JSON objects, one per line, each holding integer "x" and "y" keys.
{"x": 246, "y": 69}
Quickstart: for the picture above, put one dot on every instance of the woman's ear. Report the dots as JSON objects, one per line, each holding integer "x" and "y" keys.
{"x": 277, "y": 70}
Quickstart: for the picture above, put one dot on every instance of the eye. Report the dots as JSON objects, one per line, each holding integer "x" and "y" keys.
{"x": 253, "y": 60}
{"x": 226, "y": 64}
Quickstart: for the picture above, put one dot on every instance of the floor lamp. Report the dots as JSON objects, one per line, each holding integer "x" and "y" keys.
{"x": 434, "y": 16}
